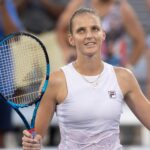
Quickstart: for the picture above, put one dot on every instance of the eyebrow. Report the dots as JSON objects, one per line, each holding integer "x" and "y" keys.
{"x": 80, "y": 28}
{"x": 83, "y": 28}
{"x": 96, "y": 26}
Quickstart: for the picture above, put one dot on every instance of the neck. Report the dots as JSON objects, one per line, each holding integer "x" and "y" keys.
{"x": 88, "y": 67}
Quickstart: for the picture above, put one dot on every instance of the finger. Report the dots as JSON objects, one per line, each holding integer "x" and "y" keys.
{"x": 30, "y": 148}
{"x": 38, "y": 138}
{"x": 27, "y": 133}
{"x": 31, "y": 145}
{"x": 29, "y": 140}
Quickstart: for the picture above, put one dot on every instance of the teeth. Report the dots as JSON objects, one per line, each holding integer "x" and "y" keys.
{"x": 90, "y": 44}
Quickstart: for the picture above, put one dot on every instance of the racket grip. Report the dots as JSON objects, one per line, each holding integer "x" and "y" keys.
{"x": 32, "y": 131}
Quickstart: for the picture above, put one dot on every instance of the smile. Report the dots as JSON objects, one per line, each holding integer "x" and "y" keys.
{"x": 90, "y": 44}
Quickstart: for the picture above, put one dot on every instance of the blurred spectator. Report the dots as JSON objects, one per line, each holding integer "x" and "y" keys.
{"x": 40, "y": 17}
{"x": 118, "y": 20}
{"x": 9, "y": 22}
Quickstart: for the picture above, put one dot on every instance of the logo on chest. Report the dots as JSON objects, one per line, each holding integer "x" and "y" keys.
{"x": 112, "y": 94}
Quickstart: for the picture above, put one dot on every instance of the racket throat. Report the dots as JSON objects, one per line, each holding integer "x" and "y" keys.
{"x": 23, "y": 118}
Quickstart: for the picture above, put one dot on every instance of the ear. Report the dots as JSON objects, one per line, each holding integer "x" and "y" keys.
{"x": 103, "y": 35}
{"x": 71, "y": 40}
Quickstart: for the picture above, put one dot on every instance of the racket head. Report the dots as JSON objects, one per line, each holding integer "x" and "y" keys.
{"x": 24, "y": 69}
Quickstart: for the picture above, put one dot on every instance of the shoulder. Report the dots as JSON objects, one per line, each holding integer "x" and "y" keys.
{"x": 57, "y": 86}
{"x": 123, "y": 72}
{"x": 57, "y": 78}
{"x": 125, "y": 79}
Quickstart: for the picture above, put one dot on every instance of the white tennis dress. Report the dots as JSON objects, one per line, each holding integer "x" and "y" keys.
{"x": 89, "y": 117}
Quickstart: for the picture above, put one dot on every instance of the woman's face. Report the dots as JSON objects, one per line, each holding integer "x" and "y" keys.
{"x": 87, "y": 34}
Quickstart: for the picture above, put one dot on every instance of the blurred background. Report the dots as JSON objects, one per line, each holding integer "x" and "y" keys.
{"x": 47, "y": 19}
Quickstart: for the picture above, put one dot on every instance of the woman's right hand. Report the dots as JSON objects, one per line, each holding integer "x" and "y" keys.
{"x": 30, "y": 143}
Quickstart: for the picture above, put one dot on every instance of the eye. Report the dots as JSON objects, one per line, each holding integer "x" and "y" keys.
{"x": 81, "y": 30}
{"x": 95, "y": 28}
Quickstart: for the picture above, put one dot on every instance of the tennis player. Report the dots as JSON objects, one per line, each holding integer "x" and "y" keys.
{"x": 88, "y": 94}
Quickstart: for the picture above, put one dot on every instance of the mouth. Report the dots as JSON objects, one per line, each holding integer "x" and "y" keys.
{"x": 90, "y": 44}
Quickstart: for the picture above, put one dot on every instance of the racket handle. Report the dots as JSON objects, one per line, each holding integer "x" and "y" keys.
{"x": 32, "y": 131}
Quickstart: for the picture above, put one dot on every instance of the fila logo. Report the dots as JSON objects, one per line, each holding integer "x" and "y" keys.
{"x": 112, "y": 94}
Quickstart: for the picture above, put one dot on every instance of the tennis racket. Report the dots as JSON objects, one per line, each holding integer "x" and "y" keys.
{"x": 24, "y": 73}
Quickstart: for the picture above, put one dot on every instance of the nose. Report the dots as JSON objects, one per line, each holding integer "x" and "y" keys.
{"x": 89, "y": 34}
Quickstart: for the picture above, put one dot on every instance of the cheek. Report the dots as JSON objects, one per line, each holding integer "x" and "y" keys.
{"x": 79, "y": 40}
{"x": 101, "y": 38}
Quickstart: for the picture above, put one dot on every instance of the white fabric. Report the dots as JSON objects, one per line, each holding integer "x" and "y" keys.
{"x": 89, "y": 116}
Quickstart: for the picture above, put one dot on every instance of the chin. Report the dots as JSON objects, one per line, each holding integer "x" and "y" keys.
{"x": 90, "y": 54}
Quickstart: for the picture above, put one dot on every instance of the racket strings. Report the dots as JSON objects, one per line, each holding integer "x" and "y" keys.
{"x": 5, "y": 71}
{"x": 25, "y": 97}
{"x": 23, "y": 67}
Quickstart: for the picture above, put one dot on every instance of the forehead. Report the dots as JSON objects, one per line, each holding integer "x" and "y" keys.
{"x": 85, "y": 20}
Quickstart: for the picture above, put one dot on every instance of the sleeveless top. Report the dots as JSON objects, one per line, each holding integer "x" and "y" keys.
{"x": 89, "y": 117}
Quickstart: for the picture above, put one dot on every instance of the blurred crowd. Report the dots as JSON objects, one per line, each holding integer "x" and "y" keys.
{"x": 127, "y": 44}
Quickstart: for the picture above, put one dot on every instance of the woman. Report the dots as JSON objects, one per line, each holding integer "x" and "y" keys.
{"x": 88, "y": 94}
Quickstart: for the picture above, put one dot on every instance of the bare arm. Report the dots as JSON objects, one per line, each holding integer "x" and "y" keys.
{"x": 148, "y": 73}
{"x": 53, "y": 95}
{"x": 135, "y": 31}
{"x": 134, "y": 97}
{"x": 148, "y": 58}
{"x": 46, "y": 109}
{"x": 62, "y": 25}
{"x": 148, "y": 4}
{"x": 8, "y": 24}
{"x": 53, "y": 8}
{"x": 21, "y": 5}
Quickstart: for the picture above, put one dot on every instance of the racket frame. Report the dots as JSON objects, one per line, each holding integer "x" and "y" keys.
{"x": 37, "y": 101}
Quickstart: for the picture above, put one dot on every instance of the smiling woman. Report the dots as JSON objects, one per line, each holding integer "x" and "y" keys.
{"x": 86, "y": 35}
{"x": 88, "y": 114}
